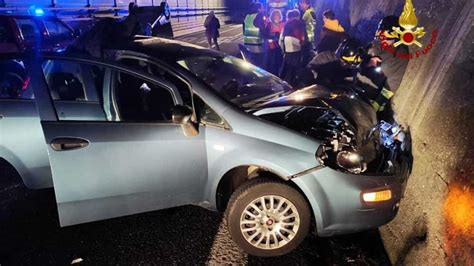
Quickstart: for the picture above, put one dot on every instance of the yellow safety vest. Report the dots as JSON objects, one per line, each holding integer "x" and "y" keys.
{"x": 310, "y": 23}
{"x": 251, "y": 33}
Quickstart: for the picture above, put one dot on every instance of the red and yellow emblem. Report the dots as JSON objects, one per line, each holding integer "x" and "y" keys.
{"x": 408, "y": 21}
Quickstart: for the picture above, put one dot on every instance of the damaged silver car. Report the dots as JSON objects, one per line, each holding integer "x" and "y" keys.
{"x": 155, "y": 124}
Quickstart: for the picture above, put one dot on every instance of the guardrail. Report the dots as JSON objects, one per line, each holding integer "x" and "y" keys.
{"x": 184, "y": 19}
{"x": 117, "y": 11}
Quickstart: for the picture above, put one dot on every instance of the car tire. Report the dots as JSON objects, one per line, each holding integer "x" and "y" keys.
{"x": 279, "y": 225}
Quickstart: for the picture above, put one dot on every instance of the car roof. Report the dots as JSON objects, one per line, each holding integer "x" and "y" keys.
{"x": 160, "y": 48}
{"x": 166, "y": 49}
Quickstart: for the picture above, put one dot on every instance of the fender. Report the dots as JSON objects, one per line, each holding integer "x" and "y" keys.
{"x": 33, "y": 178}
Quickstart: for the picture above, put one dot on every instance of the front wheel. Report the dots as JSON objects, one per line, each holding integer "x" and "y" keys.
{"x": 268, "y": 218}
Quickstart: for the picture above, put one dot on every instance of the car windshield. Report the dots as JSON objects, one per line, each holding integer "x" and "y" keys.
{"x": 236, "y": 80}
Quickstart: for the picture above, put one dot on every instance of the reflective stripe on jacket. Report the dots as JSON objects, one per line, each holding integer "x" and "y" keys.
{"x": 251, "y": 32}
{"x": 309, "y": 17}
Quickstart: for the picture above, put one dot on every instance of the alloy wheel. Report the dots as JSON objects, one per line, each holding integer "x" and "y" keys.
{"x": 269, "y": 222}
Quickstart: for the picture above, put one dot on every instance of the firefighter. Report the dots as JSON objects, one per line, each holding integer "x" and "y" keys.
{"x": 352, "y": 67}
{"x": 335, "y": 68}
{"x": 394, "y": 63}
{"x": 345, "y": 68}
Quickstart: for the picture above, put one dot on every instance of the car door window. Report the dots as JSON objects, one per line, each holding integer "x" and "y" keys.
{"x": 76, "y": 89}
{"x": 28, "y": 28}
{"x": 65, "y": 80}
{"x": 139, "y": 100}
{"x": 56, "y": 28}
{"x": 162, "y": 74}
{"x": 14, "y": 81}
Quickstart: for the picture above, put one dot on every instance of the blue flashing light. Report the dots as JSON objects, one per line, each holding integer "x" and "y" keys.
{"x": 38, "y": 12}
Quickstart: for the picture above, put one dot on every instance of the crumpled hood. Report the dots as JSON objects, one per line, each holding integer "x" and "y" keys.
{"x": 316, "y": 111}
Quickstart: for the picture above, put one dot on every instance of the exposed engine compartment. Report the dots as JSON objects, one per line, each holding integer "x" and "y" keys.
{"x": 379, "y": 155}
{"x": 342, "y": 148}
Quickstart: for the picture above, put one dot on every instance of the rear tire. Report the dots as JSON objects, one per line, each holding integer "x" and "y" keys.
{"x": 267, "y": 217}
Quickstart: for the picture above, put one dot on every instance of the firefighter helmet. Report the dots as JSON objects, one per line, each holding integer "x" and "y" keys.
{"x": 386, "y": 26}
{"x": 350, "y": 52}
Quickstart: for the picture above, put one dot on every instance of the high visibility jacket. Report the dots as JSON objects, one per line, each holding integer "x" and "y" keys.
{"x": 251, "y": 32}
{"x": 309, "y": 17}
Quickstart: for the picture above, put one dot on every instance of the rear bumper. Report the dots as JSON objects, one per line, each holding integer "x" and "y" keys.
{"x": 336, "y": 200}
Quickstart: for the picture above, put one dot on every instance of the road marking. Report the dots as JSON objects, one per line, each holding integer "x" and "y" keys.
{"x": 233, "y": 27}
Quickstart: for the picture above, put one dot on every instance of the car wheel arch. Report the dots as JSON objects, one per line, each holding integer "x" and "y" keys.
{"x": 26, "y": 174}
{"x": 8, "y": 166}
{"x": 236, "y": 177}
{"x": 240, "y": 175}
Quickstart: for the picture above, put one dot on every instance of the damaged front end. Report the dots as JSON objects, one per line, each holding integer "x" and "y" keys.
{"x": 353, "y": 141}
{"x": 364, "y": 163}
{"x": 380, "y": 155}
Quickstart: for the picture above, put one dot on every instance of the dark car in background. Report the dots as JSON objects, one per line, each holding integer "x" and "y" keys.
{"x": 19, "y": 33}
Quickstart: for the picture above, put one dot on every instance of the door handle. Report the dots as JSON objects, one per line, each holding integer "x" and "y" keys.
{"x": 68, "y": 144}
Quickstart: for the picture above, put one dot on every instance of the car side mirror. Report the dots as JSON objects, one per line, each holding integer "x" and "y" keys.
{"x": 182, "y": 115}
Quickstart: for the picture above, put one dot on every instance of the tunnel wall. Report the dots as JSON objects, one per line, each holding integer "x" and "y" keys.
{"x": 436, "y": 101}
{"x": 186, "y": 15}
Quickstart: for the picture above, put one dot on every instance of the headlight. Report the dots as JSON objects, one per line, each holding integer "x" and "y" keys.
{"x": 351, "y": 161}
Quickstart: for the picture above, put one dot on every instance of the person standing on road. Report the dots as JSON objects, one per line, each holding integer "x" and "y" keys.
{"x": 254, "y": 25}
{"x": 332, "y": 33}
{"x": 212, "y": 26}
{"x": 292, "y": 40}
{"x": 273, "y": 31}
{"x": 309, "y": 18}
{"x": 253, "y": 48}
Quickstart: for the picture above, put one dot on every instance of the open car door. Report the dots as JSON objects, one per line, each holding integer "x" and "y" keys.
{"x": 112, "y": 146}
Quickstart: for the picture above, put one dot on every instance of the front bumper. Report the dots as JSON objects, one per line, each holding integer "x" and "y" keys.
{"x": 336, "y": 199}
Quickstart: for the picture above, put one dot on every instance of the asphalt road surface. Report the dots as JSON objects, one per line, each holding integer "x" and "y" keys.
{"x": 30, "y": 235}
{"x": 230, "y": 37}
